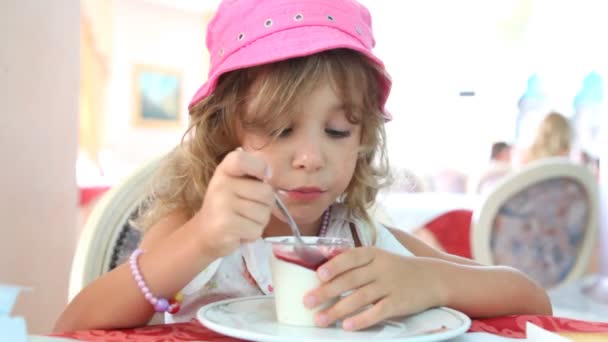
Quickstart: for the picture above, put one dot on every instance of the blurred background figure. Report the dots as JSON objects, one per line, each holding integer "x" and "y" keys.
{"x": 552, "y": 138}
{"x": 501, "y": 153}
{"x": 499, "y": 166}
{"x": 449, "y": 180}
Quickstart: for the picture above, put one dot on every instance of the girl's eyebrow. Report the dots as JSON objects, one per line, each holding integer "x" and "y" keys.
{"x": 337, "y": 107}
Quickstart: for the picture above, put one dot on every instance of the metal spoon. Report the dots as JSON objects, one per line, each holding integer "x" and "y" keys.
{"x": 308, "y": 254}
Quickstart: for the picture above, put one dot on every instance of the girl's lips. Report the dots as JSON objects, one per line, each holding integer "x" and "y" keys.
{"x": 303, "y": 193}
{"x": 307, "y": 189}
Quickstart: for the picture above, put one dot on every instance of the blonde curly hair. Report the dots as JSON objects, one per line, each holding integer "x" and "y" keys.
{"x": 553, "y": 138}
{"x": 279, "y": 87}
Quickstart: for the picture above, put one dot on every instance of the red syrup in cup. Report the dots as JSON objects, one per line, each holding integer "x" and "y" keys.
{"x": 291, "y": 257}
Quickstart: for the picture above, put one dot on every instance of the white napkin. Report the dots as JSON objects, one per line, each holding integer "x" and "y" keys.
{"x": 12, "y": 328}
{"x": 536, "y": 333}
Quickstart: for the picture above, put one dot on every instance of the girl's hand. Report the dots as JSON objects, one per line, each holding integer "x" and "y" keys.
{"x": 237, "y": 205}
{"x": 390, "y": 284}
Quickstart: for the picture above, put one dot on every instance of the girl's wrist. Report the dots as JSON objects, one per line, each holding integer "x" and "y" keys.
{"x": 199, "y": 240}
{"x": 160, "y": 304}
{"x": 439, "y": 274}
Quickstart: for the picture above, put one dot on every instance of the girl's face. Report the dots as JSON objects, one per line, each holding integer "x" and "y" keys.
{"x": 314, "y": 158}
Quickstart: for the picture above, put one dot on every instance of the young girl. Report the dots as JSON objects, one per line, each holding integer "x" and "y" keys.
{"x": 293, "y": 104}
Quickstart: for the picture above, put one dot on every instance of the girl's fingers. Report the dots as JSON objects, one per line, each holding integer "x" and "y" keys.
{"x": 347, "y": 281}
{"x": 352, "y": 258}
{"x": 370, "y": 316}
{"x": 239, "y": 163}
{"x": 254, "y": 211}
{"x": 252, "y": 190}
{"x": 355, "y": 301}
{"x": 244, "y": 228}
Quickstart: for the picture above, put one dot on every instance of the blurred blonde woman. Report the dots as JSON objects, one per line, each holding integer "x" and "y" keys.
{"x": 553, "y": 138}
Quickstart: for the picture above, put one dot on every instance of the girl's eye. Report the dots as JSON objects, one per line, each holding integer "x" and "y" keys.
{"x": 284, "y": 133}
{"x": 334, "y": 133}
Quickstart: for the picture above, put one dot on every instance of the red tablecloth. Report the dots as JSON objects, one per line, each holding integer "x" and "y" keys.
{"x": 509, "y": 326}
{"x": 90, "y": 193}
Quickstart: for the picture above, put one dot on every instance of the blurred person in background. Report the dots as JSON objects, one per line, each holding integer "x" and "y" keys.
{"x": 498, "y": 166}
{"x": 552, "y": 138}
{"x": 501, "y": 153}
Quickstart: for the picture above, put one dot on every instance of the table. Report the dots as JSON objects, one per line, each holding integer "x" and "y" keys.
{"x": 569, "y": 301}
{"x": 409, "y": 211}
{"x": 508, "y": 326}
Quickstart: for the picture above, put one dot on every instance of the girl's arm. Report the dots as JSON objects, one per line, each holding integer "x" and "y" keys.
{"x": 172, "y": 258}
{"x": 424, "y": 234}
{"x": 235, "y": 209}
{"x": 477, "y": 290}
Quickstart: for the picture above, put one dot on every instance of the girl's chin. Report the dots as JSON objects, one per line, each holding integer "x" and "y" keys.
{"x": 306, "y": 216}
{"x": 300, "y": 216}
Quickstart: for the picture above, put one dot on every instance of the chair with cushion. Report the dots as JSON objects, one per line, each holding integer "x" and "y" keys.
{"x": 108, "y": 237}
{"x": 541, "y": 220}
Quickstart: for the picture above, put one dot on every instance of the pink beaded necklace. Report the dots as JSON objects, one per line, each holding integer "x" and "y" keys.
{"x": 325, "y": 222}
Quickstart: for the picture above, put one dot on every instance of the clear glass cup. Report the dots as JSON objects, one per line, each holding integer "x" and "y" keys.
{"x": 293, "y": 277}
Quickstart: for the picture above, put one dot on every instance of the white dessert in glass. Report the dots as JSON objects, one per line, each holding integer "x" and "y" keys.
{"x": 293, "y": 277}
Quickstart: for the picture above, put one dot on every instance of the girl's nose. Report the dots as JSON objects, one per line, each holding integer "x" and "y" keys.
{"x": 309, "y": 155}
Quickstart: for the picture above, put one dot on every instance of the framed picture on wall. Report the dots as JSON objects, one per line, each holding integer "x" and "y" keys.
{"x": 157, "y": 96}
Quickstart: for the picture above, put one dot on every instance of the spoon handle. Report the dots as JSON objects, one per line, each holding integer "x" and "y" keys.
{"x": 292, "y": 223}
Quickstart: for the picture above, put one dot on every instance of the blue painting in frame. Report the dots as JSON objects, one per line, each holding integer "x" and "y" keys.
{"x": 157, "y": 96}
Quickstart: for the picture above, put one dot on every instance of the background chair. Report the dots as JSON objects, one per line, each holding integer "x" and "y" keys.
{"x": 488, "y": 179}
{"x": 108, "y": 237}
{"x": 452, "y": 232}
{"x": 541, "y": 220}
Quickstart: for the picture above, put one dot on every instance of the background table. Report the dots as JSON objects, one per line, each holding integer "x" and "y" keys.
{"x": 570, "y": 301}
{"x": 409, "y": 211}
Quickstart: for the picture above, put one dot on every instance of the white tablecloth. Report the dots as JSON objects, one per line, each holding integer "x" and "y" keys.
{"x": 569, "y": 301}
{"x": 409, "y": 211}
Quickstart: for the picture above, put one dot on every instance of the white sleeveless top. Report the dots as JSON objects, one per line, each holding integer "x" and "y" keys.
{"x": 246, "y": 272}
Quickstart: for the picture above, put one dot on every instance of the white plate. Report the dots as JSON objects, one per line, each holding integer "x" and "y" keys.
{"x": 253, "y": 318}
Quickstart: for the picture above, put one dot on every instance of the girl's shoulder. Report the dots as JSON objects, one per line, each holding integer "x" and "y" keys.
{"x": 386, "y": 240}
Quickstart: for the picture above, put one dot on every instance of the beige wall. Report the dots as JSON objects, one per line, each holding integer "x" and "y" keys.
{"x": 39, "y": 58}
{"x": 158, "y": 36}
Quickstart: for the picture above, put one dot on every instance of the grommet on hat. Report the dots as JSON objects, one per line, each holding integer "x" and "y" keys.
{"x": 247, "y": 33}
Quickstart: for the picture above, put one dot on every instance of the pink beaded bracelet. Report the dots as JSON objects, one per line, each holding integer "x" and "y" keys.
{"x": 160, "y": 304}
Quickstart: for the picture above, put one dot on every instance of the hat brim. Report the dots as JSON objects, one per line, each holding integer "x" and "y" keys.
{"x": 291, "y": 43}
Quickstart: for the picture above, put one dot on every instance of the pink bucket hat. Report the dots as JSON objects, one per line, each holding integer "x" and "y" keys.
{"x": 246, "y": 33}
